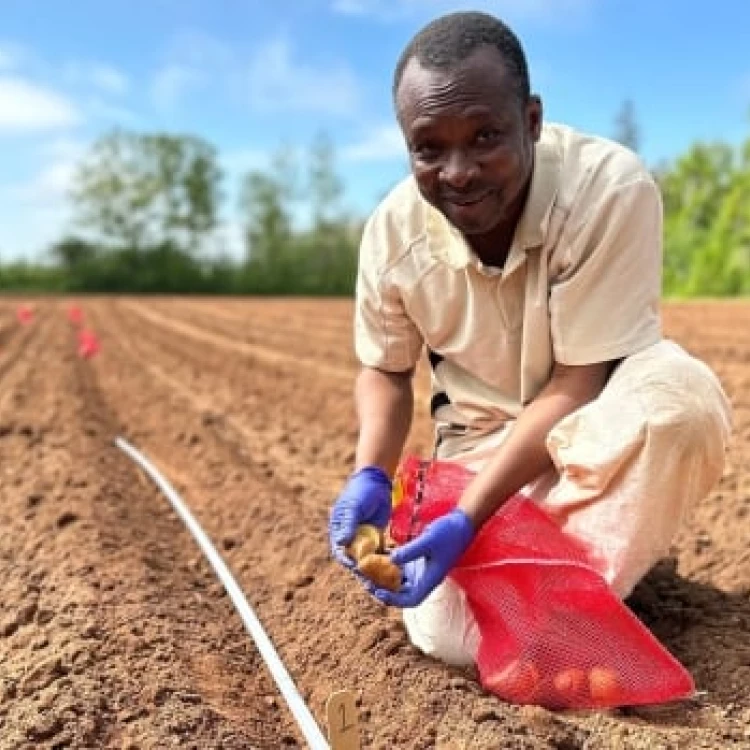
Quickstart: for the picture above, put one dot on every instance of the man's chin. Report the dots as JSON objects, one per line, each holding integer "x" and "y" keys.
{"x": 472, "y": 223}
{"x": 475, "y": 218}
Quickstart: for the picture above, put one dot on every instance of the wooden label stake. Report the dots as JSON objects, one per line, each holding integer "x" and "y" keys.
{"x": 343, "y": 721}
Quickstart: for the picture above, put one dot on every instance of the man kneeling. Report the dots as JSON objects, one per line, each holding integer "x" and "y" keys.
{"x": 525, "y": 258}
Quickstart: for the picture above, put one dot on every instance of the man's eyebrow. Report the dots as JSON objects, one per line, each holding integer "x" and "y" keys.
{"x": 474, "y": 112}
{"x": 421, "y": 124}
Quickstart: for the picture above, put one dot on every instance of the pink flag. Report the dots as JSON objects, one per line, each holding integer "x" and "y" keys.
{"x": 88, "y": 344}
{"x": 25, "y": 314}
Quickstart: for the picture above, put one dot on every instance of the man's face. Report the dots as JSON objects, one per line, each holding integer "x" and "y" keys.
{"x": 470, "y": 140}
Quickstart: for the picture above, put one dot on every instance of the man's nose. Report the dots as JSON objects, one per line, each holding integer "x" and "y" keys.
{"x": 458, "y": 170}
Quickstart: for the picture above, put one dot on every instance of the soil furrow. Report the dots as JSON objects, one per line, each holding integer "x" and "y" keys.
{"x": 115, "y": 634}
{"x": 120, "y": 636}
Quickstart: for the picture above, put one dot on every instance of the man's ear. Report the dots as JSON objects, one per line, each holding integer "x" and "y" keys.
{"x": 534, "y": 116}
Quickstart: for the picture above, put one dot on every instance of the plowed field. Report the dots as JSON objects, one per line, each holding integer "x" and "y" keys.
{"x": 114, "y": 632}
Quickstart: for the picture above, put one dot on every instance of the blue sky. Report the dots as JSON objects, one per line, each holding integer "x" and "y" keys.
{"x": 253, "y": 75}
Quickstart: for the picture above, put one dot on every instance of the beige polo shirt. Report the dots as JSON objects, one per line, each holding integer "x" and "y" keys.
{"x": 581, "y": 284}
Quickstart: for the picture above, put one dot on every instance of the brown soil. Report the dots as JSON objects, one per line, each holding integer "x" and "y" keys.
{"x": 115, "y": 633}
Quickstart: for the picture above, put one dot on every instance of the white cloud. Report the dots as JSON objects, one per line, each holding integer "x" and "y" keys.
{"x": 34, "y": 212}
{"x": 172, "y": 83}
{"x": 106, "y": 78}
{"x": 26, "y": 106}
{"x": 48, "y": 186}
{"x": 278, "y": 82}
{"x": 383, "y": 143}
{"x": 193, "y": 60}
{"x": 273, "y": 80}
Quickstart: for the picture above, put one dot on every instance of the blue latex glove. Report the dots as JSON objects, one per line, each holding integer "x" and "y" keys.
{"x": 428, "y": 559}
{"x": 366, "y": 498}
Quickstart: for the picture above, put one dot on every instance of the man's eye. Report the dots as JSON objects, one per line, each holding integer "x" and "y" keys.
{"x": 426, "y": 151}
{"x": 488, "y": 135}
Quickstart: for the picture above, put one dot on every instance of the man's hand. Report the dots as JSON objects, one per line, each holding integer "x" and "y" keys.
{"x": 366, "y": 498}
{"x": 428, "y": 559}
{"x": 385, "y": 402}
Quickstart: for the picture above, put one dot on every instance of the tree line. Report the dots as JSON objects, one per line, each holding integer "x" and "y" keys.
{"x": 146, "y": 209}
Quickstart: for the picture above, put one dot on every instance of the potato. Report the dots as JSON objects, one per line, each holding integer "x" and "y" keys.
{"x": 367, "y": 540}
{"x": 366, "y": 549}
{"x": 518, "y": 682}
{"x": 604, "y": 685}
{"x": 571, "y": 684}
{"x": 380, "y": 570}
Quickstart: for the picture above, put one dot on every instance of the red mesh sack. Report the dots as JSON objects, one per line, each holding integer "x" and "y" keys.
{"x": 552, "y": 632}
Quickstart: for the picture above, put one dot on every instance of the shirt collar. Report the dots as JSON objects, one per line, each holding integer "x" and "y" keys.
{"x": 448, "y": 245}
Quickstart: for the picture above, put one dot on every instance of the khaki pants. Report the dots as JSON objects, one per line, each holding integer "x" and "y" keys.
{"x": 627, "y": 468}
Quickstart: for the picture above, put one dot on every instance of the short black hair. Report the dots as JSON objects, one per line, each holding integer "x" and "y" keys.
{"x": 450, "y": 39}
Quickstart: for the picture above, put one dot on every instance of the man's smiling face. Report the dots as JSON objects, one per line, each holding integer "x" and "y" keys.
{"x": 471, "y": 140}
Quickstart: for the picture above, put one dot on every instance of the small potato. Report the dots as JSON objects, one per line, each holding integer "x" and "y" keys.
{"x": 571, "y": 684}
{"x": 604, "y": 686}
{"x": 380, "y": 570}
{"x": 367, "y": 540}
{"x": 518, "y": 682}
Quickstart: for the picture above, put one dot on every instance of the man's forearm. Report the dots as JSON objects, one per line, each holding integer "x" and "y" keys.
{"x": 385, "y": 403}
{"x": 524, "y": 456}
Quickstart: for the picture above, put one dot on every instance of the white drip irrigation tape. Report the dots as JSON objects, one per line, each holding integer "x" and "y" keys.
{"x": 305, "y": 719}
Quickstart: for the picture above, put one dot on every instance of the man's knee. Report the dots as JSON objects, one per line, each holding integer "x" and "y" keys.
{"x": 677, "y": 393}
{"x": 444, "y": 627}
{"x": 686, "y": 416}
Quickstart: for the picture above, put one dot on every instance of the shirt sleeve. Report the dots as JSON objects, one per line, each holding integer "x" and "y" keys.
{"x": 605, "y": 304}
{"x": 384, "y": 336}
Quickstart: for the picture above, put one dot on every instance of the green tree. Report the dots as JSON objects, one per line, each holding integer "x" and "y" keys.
{"x": 72, "y": 252}
{"x": 283, "y": 258}
{"x": 706, "y": 196}
{"x": 266, "y": 206}
{"x": 324, "y": 184}
{"x": 140, "y": 190}
{"x": 79, "y": 262}
{"x": 329, "y": 245}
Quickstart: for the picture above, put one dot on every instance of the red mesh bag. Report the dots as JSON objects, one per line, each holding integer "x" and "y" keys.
{"x": 552, "y": 632}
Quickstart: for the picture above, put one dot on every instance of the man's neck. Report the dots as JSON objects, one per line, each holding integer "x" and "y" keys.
{"x": 493, "y": 248}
